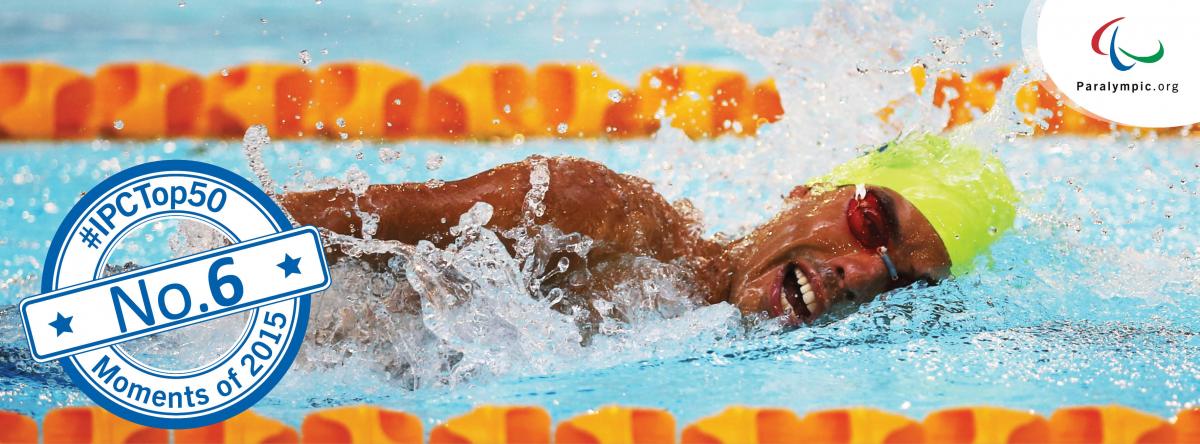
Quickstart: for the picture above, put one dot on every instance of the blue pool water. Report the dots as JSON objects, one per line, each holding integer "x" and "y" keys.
{"x": 1091, "y": 298}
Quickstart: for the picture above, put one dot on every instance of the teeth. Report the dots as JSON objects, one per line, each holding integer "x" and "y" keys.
{"x": 807, "y": 295}
{"x": 800, "y": 277}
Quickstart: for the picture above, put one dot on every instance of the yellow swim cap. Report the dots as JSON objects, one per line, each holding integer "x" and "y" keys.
{"x": 963, "y": 192}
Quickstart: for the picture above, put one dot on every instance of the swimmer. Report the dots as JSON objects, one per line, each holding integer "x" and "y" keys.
{"x": 919, "y": 209}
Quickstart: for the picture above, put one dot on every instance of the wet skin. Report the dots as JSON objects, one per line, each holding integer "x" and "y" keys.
{"x": 812, "y": 238}
{"x": 625, "y": 217}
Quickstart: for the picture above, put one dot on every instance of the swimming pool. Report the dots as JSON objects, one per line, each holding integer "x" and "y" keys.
{"x": 1088, "y": 300}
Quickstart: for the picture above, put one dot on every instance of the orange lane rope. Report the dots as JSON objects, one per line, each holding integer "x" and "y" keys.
{"x": 367, "y": 100}
{"x": 628, "y": 425}
{"x": 143, "y": 100}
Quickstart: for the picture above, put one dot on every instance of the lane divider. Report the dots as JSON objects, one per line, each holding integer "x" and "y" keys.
{"x": 1108, "y": 424}
{"x": 1048, "y": 114}
{"x": 369, "y": 100}
{"x": 248, "y": 427}
{"x": 617, "y": 425}
{"x": 349, "y": 91}
{"x": 495, "y": 425}
{"x": 150, "y": 99}
{"x": 746, "y": 425}
{"x": 1187, "y": 426}
{"x": 361, "y": 424}
{"x": 17, "y": 429}
{"x": 44, "y": 101}
{"x": 859, "y": 425}
{"x": 481, "y": 100}
{"x": 145, "y": 100}
{"x": 631, "y": 425}
{"x": 985, "y": 425}
{"x": 74, "y": 425}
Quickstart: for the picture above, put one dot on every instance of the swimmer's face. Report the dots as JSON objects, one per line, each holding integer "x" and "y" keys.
{"x": 824, "y": 251}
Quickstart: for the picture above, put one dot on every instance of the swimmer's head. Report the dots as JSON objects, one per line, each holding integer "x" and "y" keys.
{"x": 963, "y": 192}
{"x": 920, "y": 209}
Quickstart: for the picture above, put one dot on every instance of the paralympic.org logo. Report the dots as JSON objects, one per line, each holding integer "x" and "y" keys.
{"x": 1113, "y": 48}
{"x": 1108, "y": 58}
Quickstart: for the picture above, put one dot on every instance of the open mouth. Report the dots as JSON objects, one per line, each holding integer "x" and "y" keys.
{"x": 800, "y": 294}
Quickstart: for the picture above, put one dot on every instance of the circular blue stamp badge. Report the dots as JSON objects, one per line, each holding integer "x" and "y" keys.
{"x": 268, "y": 270}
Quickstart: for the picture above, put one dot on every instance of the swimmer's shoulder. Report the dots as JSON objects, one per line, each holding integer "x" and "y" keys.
{"x": 568, "y": 171}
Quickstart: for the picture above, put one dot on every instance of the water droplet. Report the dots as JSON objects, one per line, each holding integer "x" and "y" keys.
{"x": 388, "y": 155}
{"x": 182, "y": 3}
{"x": 224, "y": 73}
{"x": 435, "y": 183}
{"x": 256, "y": 136}
{"x": 396, "y": 102}
{"x": 562, "y": 128}
{"x": 253, "y": 142}
{"x": 305, "y": 57}
{"x": 119, "y": 125}
{"x": 320, "y": 125}
{"x": 518, "y": 139}
{"x": 434, "y": 161}
{"x": 263, "y": 20}
{"x": 614, "y": 95}
{"x": 341, "y": 122}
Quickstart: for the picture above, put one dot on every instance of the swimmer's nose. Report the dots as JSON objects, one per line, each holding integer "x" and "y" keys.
{"x": 862, "y": 275}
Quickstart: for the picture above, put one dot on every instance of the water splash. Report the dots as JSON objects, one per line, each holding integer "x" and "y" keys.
{"x": 476, "y": 309}
{"x": 253, "y": 141}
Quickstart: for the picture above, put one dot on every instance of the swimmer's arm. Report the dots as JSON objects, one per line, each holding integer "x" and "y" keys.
{"x": 583, "y": 197}
{"x": 622, "y": 214}
{"x": 413, "y": 212}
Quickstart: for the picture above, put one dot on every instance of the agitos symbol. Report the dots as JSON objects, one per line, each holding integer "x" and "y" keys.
{"x": 1112, "y": 48}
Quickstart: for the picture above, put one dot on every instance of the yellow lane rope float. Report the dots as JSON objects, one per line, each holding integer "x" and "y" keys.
{"x": 368, "y": 100}
{"x": 626, "y": 425}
